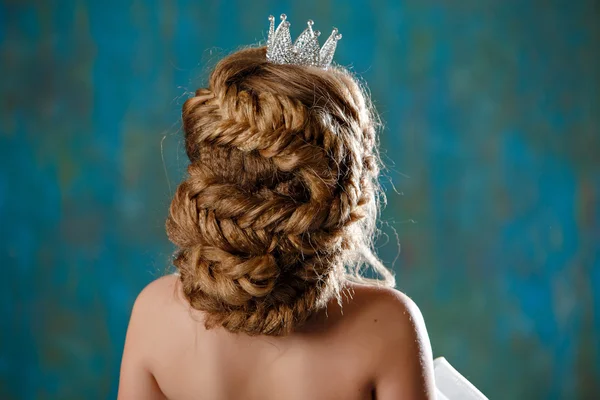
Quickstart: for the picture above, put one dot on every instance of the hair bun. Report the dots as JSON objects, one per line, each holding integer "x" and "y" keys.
{"x": 279, "y": 195}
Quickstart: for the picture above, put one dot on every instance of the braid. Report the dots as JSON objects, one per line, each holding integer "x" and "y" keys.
{"x": 276, "y": 180}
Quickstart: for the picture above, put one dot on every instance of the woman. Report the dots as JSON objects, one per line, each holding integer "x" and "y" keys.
{"x": 273, "y": 222}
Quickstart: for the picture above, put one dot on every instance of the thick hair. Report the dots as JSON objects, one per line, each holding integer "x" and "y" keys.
{"x": 278, "y": 209}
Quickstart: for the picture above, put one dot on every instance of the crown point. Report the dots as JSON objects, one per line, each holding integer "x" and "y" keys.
{"x": 305, "y": 50}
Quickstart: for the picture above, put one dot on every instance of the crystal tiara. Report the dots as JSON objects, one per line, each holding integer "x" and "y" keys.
{"x": 305, "y": 50}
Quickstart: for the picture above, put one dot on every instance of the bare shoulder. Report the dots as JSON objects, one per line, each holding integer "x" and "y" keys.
{"x": 160, "y": 292}
{"x": 386, "y": 307}
{"x": 158, "y": 309}
{"x": 400, "y": 345}
{"x": 153, "y": 320}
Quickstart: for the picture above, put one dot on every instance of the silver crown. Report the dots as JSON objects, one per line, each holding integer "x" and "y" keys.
{"x": 305, "y": 51}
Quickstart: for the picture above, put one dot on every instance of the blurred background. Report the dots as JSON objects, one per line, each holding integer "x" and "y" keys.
{"x": 492, "y": 142}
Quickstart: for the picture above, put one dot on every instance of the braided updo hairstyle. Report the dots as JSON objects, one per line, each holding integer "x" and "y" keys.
{"x": 279, "y": 205}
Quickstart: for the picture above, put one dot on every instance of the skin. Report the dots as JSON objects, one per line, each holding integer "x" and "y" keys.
{"x": 377, "y": 349}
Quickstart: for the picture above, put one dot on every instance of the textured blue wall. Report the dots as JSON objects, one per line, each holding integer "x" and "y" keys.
{"x": 492, "y": 140}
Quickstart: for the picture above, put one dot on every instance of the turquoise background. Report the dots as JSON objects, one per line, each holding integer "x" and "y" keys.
{"x": 492, "y": 142}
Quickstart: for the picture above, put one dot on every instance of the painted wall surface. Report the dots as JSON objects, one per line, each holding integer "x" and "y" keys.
{"x": 492, "y": 139}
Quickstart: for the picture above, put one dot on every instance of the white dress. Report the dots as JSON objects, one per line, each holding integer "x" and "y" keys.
{"x": 451, "y": 385}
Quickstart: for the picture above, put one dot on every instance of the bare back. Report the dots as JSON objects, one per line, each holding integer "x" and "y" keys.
{"x": 375, "y": 346}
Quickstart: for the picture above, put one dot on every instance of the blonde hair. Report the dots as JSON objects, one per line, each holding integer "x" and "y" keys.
{"x": 279, "y": 206}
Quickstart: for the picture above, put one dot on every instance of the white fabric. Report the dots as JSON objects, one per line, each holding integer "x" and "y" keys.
{"x": 451, "y": 385}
